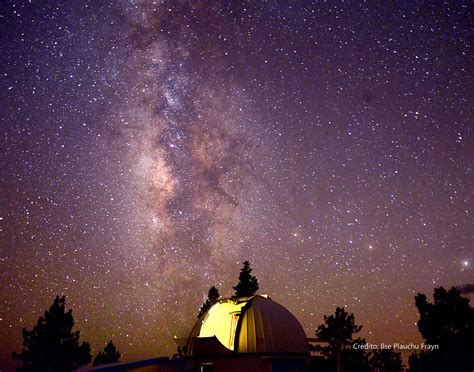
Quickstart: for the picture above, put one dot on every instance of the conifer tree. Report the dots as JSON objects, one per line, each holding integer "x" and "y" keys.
{"x": 109, "y": 355}
{"x": 212, "y": 298}
{"x": 448, "y": 324}
{"x": 386, "y": 360}
{"x": 51, "y": 345}
{"x": 339, "y": 332}
{"x": 248, "y": 284}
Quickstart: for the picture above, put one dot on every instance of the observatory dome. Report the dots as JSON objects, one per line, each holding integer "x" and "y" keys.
{"x": 249, "y": 325}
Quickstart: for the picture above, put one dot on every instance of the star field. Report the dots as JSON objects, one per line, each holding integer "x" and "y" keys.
{"x": 149, "y": 147}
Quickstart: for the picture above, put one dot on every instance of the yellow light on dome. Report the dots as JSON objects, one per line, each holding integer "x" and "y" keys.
{"x": 221, "y": 321}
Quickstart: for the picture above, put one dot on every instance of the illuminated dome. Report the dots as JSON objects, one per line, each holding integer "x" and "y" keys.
{"x": 247, "y": 325}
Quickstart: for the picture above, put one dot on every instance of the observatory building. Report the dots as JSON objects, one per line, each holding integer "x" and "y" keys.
{"x": 237, "y": 334}
{"x": 248, "y": 334}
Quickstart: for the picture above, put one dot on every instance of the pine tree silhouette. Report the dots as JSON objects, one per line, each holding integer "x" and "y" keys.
{"x": 51, "y": 345}
{"x": 248, "y": 284}
{"x": 386, "y": 360}
{"x": 448, "y": 323}
{"x": 212, "y": 298}
{"x": 339, "y": 331}
{"x": 109, "y": 355}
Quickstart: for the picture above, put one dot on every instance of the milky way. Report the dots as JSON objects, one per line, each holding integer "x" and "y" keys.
{"x": 148, "y": 148}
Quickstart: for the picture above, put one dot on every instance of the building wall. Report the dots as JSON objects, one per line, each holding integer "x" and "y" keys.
{"x": 249, "y": 363}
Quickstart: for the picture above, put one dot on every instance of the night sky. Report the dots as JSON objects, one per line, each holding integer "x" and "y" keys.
{"x": 148, "y": 148}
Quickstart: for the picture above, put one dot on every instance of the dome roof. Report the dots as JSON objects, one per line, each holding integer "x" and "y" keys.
{"x": 250, "y": 325}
